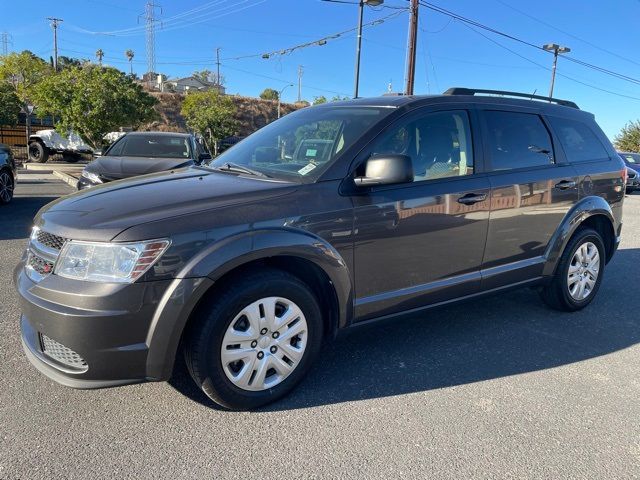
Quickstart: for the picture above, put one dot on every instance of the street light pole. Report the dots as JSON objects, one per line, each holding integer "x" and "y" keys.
{"x": 280, "y": 96}
{"x": 556, "y": 49}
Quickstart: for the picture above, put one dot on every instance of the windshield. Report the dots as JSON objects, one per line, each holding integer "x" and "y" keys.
{"x": 303, "y": 144}
{"x": 156, "y": 146}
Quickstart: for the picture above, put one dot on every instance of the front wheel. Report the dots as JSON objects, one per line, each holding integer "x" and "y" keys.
{"x": 256, "y": 340}
{"x": 579, "y": 273}
{"x": 38, "y": 152}
{"x": 6, "y": 186}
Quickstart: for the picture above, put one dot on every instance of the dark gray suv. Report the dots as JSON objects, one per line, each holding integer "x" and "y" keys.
{"x": 329, "y": 217}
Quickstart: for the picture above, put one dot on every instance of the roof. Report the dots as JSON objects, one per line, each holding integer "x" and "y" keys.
{"x": 163, "y": 134}
{"x": 398, "y": 101}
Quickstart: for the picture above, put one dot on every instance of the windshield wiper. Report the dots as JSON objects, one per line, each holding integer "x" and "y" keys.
{"x": 234, "y": 167}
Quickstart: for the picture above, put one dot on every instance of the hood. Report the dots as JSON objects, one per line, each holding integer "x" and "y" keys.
{"x": 101, "y": 212}
{"x": 116, "y": 168}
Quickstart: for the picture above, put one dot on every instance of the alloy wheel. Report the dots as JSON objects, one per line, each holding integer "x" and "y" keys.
{"x": 583, "y": 271}
{"x": 264, "y": 343}
{"x": 6, "y": 187}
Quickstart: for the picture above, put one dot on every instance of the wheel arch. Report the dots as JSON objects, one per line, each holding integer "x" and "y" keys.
{"x": 299, "y": 253}
{"x": 593, "y": 212}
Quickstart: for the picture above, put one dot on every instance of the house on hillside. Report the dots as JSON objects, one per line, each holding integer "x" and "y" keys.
{"x": 183, "y": 85}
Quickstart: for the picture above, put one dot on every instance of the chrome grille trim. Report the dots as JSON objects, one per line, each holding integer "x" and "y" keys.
{"x": 63, "y": 355}
{"x": 42, "y": 254}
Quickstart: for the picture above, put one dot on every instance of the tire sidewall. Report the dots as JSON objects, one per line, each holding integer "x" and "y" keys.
{"x": 214, "y": 379}
{"x": 585, "y": 236}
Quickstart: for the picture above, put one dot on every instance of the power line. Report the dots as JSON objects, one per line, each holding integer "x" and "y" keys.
{"x": 6, "y": 40}
{"x": 468, "y": 21}
{"x": 150, "y": 21}
{"x": 596, "y": 46}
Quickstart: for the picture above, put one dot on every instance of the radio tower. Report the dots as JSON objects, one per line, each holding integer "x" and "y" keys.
{"x": 150, "y": 22}
{"x": 5, "y": 40}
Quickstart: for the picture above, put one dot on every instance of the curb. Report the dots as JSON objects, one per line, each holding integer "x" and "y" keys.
{"x": 65, "y": 177}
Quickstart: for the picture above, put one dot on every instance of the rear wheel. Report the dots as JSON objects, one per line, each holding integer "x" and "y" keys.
{"x": 6, "y": 186}
{"x": 255, "y": 341}
{"x": 38, "y": 152}
{"x": 579, "y": 273}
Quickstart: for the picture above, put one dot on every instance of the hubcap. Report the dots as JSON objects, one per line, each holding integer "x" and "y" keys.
{"x": 583, "y": 271}
{"x": 6, "y": 187}
{"x": 264, "y": 343}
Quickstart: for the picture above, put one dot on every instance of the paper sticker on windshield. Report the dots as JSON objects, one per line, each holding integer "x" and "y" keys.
{"x": 311, "y": 152}
{"x": 306, "y": 169}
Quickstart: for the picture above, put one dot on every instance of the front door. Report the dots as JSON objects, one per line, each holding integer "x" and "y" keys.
{"x": 532, "y": 189}
{"x": 422, "y": 242}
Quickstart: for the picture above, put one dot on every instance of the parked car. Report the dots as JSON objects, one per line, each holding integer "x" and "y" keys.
{"x": 631, "y": 159}
{"x": 249, "y": 263}
{"x": 8, "y": 175}
{"x": 633, "y": 180}
{"x": 139, "y": 153}
{"x": 45, "y": 143}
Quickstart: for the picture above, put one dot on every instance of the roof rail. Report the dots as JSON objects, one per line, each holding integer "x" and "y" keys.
{"x": 473, "y": 91}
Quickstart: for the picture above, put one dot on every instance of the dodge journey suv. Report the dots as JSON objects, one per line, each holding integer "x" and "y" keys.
{"x": 329, "y": 217}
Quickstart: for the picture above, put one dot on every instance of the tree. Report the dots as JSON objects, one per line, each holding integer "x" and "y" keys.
{"x": 66, "y": 62}
{"x": 269, "y": 94}
{"x": 130, "y": 54}
{"x": 209, "y": 76}
{"x": 23, "y": 71}
{"x": 338, "y": 98}
{"x": 628, "y": 140}
{"x": 319, "y": 100}
{"x": 93, "y": 101}
{"x": 10, "y": 105}
{"x": 210, "y": 114}
{"x": 99, "y": 55}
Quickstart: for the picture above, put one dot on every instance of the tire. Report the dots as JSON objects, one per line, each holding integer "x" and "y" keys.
{"x": 564, "y": 294}
{"x": 7, "y": 186}
{"x": 38, "y": 152}
{"x": 257, "y": 380}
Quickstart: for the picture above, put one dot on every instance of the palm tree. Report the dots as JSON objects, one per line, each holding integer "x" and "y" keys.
{"x": 129, "y": 53}
{"x": 99, "y": 55}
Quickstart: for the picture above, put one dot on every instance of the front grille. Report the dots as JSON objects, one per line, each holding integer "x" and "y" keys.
{"x": 50, "y": 240}
{"x": 62, "y": 354}
{"x": 40, "y": 265}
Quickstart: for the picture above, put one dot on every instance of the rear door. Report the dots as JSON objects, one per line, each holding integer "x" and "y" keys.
{"x": 532, "y": 189}
{"x": 422, "y": 242}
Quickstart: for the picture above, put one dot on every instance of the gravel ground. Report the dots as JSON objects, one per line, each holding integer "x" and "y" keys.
{"x": 498, "y": 388}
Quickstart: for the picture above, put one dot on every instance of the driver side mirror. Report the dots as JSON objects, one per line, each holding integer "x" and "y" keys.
{"x": 203, "y": 156}
{"x": 386, "y": 169}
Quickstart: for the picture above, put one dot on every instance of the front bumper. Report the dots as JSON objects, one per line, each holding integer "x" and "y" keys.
{"x": 104, "y": 324}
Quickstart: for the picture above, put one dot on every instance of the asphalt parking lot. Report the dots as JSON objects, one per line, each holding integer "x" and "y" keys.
{"x": 498, "y": 388}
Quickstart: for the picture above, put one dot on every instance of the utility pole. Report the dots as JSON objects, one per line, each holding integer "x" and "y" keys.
{"x": 218, "y": 68}
{"x": 54, "y": 25}
{"x": 5, "y": 39}
{"x": 300, "y": 73}
{"x": 412, "y": 47}
{"x": 150, "y": 22}
{"x": 556, "y": 49}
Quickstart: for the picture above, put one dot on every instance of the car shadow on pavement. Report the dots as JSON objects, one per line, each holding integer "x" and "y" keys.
{"x": 16, "y": 218}
{"x": 510, "y": 334}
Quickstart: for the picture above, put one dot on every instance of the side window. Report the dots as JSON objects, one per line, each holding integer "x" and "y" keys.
{"x": 439, "y": 144}
{"x": 517, "y": 140}
{"x": 116, "y": 149}
{"x": 579, "y": 142}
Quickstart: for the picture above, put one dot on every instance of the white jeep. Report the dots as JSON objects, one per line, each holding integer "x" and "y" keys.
{"x": 49, "y": 142}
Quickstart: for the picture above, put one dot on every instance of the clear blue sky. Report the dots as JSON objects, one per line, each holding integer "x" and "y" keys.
{"x": 449, "y": 53}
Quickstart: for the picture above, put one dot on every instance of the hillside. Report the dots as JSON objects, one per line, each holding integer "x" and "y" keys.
{"x": 252, "y": 113}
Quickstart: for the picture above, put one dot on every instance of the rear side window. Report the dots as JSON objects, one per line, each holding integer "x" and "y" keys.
{"x": 518, "y": 140}
{"x": 579, "y": 142}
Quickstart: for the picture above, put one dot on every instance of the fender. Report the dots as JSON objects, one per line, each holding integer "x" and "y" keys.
{"x": 585, "y": 208}
{"x": 200, "y": 273}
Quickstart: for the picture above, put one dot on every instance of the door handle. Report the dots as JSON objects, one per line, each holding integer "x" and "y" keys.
{"x": 471, "y": 198}
{"x": 565, "y": 184}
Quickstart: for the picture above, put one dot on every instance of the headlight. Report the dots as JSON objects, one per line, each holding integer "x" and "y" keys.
{"x": 92, "y": 177}
{"x": 108, "y": 262}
